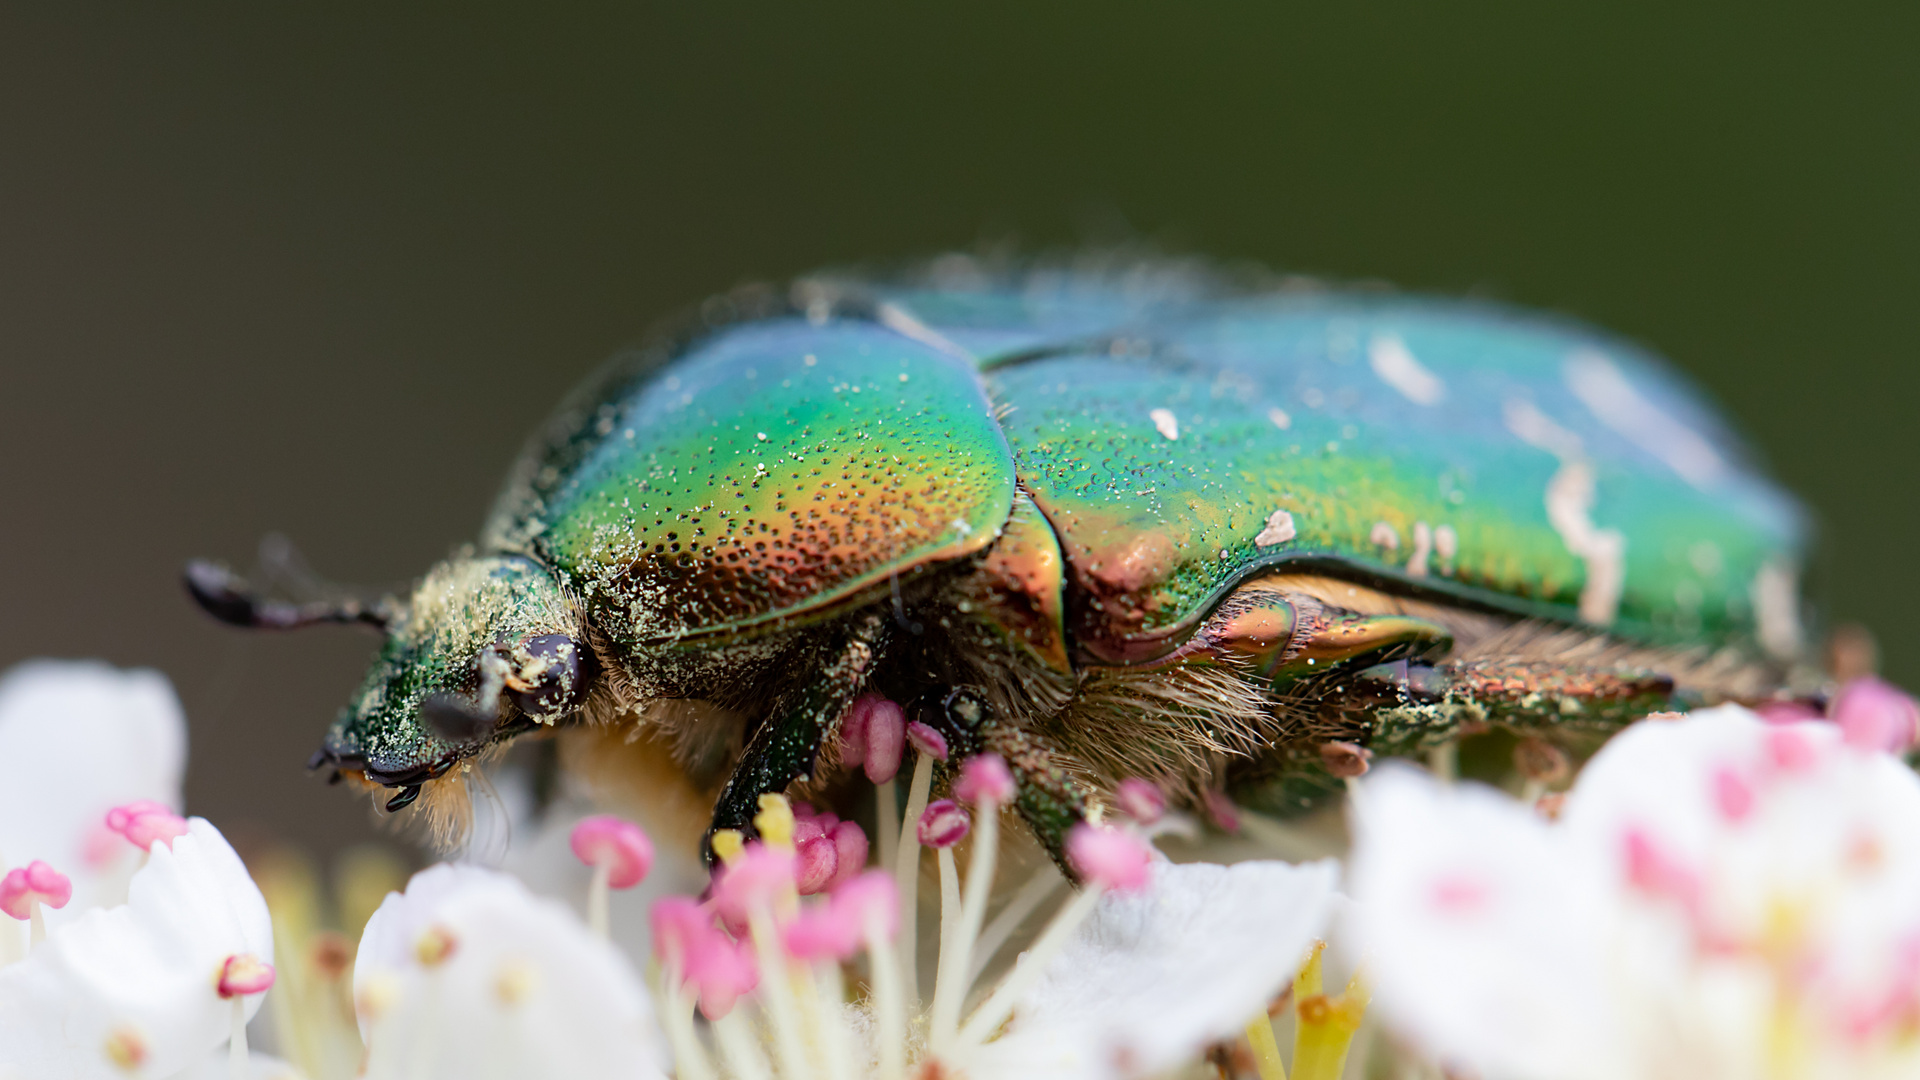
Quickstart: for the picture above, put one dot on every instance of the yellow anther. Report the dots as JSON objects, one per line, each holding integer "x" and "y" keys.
{"x": 775, "y": 821}
{"x": 727, "y": 844}
{"x": 435, "y": 944}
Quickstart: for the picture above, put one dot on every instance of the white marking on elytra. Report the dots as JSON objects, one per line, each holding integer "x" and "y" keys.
{"x": 1601, "y": 386}
{"x": 1397, "y": 367}
{"x": 1776, "y": 607}
{"x": 1384, "y": 535}
{"x": 1279, "y": 530}
{"x": 1280, "y": 418}
{"x": 1570, "y": 499}
{"x": 901, "y": 321}
{"x": 1446, "y": 544}
{"x": 1422, "y": 549}
{"x": 1166, "y": 423}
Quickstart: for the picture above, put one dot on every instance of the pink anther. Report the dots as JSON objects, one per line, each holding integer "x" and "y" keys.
{"x": 873, "y": 736}
{"x": 617, "y": 844}
{"x": 34, "y": 883}
{"x": 871, "y": 901}
{"x": 242, "y": 974}
{"x": 943, "y": 824}
{"x": 1110, "y": 858}
{"x": 984, "y": 779}
{"x": 145, "y": 822}
{"x": 1140, "y": 800}
{"x": 1876, "y": 715}
{"x": 927, "y": 740}
{"x": 755, "y": 881}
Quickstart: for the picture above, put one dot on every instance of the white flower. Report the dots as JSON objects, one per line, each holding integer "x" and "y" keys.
{"x": 1153, "y": 978}
{"x": 1720, "y": 897}
{"x": 78, "y": 738}
{"x": 467, "y": 974}
{"x": 134, "y": 990}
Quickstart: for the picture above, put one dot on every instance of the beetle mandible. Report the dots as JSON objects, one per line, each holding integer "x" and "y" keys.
{"x": 1107, "y": 524}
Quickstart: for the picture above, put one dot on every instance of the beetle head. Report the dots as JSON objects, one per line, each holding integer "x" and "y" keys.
{"x": 486, "y": 648}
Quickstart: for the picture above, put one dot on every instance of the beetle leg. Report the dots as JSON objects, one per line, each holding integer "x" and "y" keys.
{"x": 787, "y": 746}
{"x": 1281, "y": 638}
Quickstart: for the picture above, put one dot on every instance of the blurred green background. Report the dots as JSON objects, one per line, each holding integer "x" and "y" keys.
{"x": 318, "y": 269}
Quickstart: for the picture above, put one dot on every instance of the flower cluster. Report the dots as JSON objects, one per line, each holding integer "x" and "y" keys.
{"x": 1719, "y": 894}
{"x": 137, "y": 944}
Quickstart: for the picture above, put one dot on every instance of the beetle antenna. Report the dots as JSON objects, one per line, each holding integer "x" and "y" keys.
{"x": 230, "y": 598}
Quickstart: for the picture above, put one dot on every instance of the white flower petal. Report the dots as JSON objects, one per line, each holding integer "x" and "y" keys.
{"x": 147, "y": 968}
{"x": 78, "y": 738}
{"x": 218, "y": 1066}
{"x": 1477, "y": 929}
{"x": 510, "y": 985}
{"x": 1154, "y": 977}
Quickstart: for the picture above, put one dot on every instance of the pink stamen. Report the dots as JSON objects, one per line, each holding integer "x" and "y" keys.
{"x": 620, "y": 846}
{"x": 943, "y": 824}
{"x": 871, "y": 901}
{"x": 984, "y": 778}
{"x": 853, "y": 730}
{"x": 1223, "y": 812}
{"x": 818, "y": 861}
{"x": 145, "y": 822}
{"x": 886, "y": 740}
{"x": 1732, "y": 794}
{"x": 822, "y": 932}
{"x": 721, "y": 971}
{"x": 850, "y": 853}
{"x": 1140, "y": 800}
{"x": 927, "y": 740}
{"x": 1790, "y": 751}
{"x": 678, "y": 923}
{"x": 1876, "y": 715}
{"x": 1787, "y": 712}
{"x": 1110, "y": 858}
{"x": 242, "y": 974}
{"x": 755, "y": 881}
{"x": 34, "y": 883}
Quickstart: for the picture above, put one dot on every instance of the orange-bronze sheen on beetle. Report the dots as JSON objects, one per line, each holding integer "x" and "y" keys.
{"x": 1111, "y": 521}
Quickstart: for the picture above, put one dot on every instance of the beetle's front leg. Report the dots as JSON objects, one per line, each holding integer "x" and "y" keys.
{"x": 787, "y": 746}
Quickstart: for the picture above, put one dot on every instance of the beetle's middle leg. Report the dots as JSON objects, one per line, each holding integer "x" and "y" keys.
{"x": 787, "y": 746}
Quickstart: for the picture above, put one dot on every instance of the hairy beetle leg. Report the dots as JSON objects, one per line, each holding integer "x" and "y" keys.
{"x": 787, "y": 747}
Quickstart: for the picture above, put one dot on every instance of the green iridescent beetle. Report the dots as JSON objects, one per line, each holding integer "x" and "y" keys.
{"x": 1132, "y": 523}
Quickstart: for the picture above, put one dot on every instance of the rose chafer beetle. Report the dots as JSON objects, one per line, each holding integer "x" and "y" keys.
{"x": 1105, "y": 523}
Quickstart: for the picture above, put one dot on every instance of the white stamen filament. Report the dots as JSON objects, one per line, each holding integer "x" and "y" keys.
{"x": 889, "y": 1004}
{"x": 690, "y": 1058}
{"x": 887, "y": 829}
{"x": 237, "y": 1044}
{"x": 597, "y": 899}
{"x": 955, "y": 973}
{"x": 906, "y": 875}
{"x": 739, "y": 1049}
{"x": 999, "y": 1005}
{"x": 38, "y": 924}
{"x": 824, "y": 1016}
{"x": 1034, "y": 893}
{"x": 949, "y": 912}
{"x": 776, "y": 991}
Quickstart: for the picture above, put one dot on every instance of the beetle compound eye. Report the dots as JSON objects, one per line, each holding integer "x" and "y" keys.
{"x": 455, "y": 719}
{"x": 547, "y": 676}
